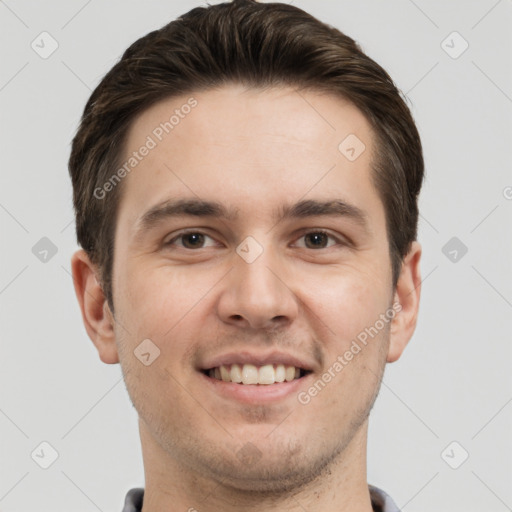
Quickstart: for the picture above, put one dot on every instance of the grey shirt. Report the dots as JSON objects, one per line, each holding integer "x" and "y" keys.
{"x": 381, "y": 502}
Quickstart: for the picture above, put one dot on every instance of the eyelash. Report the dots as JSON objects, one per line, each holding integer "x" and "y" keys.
{"x": 312, "y": 231}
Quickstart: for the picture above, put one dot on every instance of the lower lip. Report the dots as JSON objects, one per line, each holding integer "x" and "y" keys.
{"x": 256, "y": 393}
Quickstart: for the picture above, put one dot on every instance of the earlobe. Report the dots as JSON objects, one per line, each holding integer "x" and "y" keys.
{"x": 96, "y": 315}
{"x": 407, "y": 294}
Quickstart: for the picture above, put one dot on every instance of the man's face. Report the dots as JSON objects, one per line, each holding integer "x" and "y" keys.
{"x": 290, "y": 291}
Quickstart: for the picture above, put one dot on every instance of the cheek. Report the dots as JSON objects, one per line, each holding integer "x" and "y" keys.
{"x": 159, "y": 301}
{"x": 347, "y": 301}
{"x": 346, "y": 310}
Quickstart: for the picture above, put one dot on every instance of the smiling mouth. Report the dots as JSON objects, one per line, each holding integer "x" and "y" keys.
{"x": 250, "y": 374}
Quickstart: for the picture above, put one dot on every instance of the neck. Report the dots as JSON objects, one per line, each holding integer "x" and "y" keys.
{"x": 340, "y": 487}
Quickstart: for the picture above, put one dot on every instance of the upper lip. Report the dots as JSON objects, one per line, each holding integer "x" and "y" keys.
{"x": 247, "y": 357}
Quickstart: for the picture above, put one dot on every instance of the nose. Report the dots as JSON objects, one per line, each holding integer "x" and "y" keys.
{"x": 258, "y": 295}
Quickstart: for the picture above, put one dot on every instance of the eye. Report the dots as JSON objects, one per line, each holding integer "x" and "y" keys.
{"x": 189, "y": 240}
{"x": 318, "y": 239}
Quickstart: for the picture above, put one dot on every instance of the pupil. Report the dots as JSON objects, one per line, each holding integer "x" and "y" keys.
{"x": 318, "y": 237}
{"x": 197, "y": 236}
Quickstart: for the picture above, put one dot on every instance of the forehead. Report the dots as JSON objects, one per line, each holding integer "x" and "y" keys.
{"x": 244, "y": 146}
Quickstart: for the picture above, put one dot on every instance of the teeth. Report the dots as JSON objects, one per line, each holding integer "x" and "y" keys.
{"x": 224, "y": 374}
{"x": 236, "y": 373}
{"x": 267, "y": 374}
{"x": 251, "y": 374}
{"x": 280, "y": 373}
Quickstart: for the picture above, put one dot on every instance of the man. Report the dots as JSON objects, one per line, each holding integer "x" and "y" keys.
{"x": 245, "y": 184}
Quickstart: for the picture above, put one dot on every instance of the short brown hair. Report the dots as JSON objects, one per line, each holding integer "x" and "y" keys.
{"x": 257, "y": 45}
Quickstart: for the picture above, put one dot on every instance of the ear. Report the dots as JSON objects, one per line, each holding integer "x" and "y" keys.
{"x": 407, "y": 294}
{"x": 96, "y": 315}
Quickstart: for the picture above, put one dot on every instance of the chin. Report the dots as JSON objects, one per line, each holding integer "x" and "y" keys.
{"x": 271, "y": 474}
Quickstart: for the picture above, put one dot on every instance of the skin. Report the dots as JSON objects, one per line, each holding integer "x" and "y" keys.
{"x": 255, "y": 151}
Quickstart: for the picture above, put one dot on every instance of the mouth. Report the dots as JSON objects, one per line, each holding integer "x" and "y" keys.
{"x": 253, "y": 375}
{"x": 250, "y": 384}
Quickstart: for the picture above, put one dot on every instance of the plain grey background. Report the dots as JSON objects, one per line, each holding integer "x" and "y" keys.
{"x": 450, "y": 395}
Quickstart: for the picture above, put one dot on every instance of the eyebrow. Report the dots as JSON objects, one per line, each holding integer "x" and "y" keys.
{"x": 195, "y": 207}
